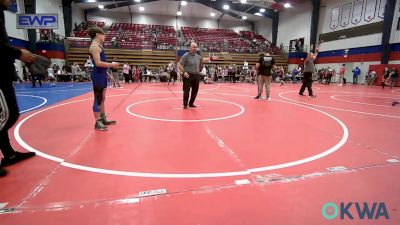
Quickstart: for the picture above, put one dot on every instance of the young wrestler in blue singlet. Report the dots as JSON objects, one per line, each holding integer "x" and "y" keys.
{"x": 99, "y": 77}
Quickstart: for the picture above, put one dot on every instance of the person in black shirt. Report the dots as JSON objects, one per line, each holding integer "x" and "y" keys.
{"x": 264, "y": 66}
{"x": 394, "y": 76}
{"x": 9, "y": 112}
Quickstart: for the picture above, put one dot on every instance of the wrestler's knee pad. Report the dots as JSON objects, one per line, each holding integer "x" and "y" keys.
{"x": 98, "y": 98}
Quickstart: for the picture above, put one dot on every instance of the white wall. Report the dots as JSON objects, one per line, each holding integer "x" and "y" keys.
{"x": 362, "y": 41}
{"x": 295, "y": 23}
{"x": 11, "y": 23}
{"x": 53, "y": 6}
{"x": 236, "y": 25}
{"x": 152, "y": 19}
{"x": 194, "y": 22}
{"x": 114, "y": 17}
{"x": 77, "y": 15}
{"x": 264, "y": 27}
{"x": 109, "y": 17}
{"x": 395, "y": 35}
{"x": 326, "y": 10}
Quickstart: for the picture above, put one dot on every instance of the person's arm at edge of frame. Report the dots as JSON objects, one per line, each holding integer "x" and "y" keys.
{"x": 15, "y": 53}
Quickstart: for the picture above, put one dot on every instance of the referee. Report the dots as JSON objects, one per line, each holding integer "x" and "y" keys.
{"x": 190, "y": 66}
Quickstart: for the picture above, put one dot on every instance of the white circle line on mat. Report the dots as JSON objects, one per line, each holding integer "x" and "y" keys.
{"x": 35, "y": 107}
{"x": 325, "y": 153}
{"x": 361, "y": 103}
{"x": 242, "y": 110}
{"x": 334, "y": 108}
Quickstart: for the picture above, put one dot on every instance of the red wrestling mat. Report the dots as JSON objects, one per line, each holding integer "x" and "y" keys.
{"x": 232, "y": 160}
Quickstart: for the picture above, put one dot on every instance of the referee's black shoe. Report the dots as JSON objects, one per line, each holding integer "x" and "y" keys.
{"x": 17, "y": 157}
{"x": 3, "y": 172}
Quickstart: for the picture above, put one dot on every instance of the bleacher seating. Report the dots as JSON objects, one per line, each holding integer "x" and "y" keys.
{"x": 250, "y": 35}
{"x": 81, "y": 33}
{"x": 136, "y": 40}
{"x": 95, "y": 24}
{"x": 84, "y": 26}
{"x": 217, "y": 39}
{"x": 143, "y": 36}
{"x": 140, "y": 36}
{"x": 151, "y": 58}
{"x": 226, "y": 59}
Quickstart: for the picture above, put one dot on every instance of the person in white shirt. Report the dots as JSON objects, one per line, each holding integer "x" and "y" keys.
{"x": 245, "y": 67}
{"x": 51, "y": 76}
{"x": 372, "y": 77}
{"x": 17, "y": 69}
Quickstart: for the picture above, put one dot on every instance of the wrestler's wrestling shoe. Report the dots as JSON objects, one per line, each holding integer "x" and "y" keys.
{"x": 100, "y": 126}
{"x": 105, "y": 121}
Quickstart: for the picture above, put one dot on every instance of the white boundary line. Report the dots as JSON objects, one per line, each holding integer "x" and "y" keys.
{"x": 327, "y": 107}
{"x": 33, "y": 96}
{"x": 184, "y": 121}
{"x": 54, "y": 90}
{"x": 177, "y": 91}
{"x": 361, "y": 103}
{"x": 327, "y": 152}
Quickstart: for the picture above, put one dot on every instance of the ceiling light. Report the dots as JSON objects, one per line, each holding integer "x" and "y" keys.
{"x": 141, "y": 8}
{"x": 183, "y": 2}
{"x": 137, "y": 0}
{"x": 226, "y": 7}
{"x": 179, "y": 13}
{"x": 287, "y": 5}
{"x": 243, "y": 1}
{"x": 101, "y": 6}
{"x": 258, "y": 14}
{"x": 244, "y": 17}
{"x": 91, "y": 1}
{"x": 212, "y": 14}
{"x": 262, "y": 10}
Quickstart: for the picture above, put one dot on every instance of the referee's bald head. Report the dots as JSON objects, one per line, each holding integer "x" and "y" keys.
{"x": 193, "y": 47}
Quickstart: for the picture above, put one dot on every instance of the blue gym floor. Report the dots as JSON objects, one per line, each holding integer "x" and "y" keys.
{"x": 34, "y": 98}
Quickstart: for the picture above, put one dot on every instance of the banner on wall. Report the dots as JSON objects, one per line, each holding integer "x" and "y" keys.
{"x": 357, "y": 11}
{"x": 370, "y": 8}
{"x": 37, "y": 21}
{"x": 381, "y": 12}
{"x": 345, "y": 18}
{"x": 296, "y": 45}
{"x": 335, "y": 18}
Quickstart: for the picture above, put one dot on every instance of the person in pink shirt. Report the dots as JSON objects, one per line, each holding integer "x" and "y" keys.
{"x": 342, "y": 73}
{"x": 137, "y": 74}
{"x": 125, "y": 71}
